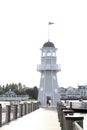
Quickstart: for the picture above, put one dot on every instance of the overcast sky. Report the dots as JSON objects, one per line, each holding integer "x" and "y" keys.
{"x": 24, "y": 30}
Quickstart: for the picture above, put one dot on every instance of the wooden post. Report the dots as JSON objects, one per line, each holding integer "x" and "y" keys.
{"x": 70, "y": 105}
{"x": 29, "y": 110}
{"x": 32, "y": 106}
{"x": 25, "y": 104}
{"x": 61, "y": 114}
{"x": 8, "y": 113}
{"x": 15, "y": 111}
{"x": 0, "y": 115}
{"x": 65, "y": 112}
{"x": 21, "y": 109}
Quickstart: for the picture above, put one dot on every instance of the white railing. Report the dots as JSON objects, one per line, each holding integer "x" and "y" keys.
{"x": 48, "y": 67}
{"x": 3, "y": 98}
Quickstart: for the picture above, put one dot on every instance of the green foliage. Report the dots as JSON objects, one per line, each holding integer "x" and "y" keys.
{"x": 32, "y": 92}
{"x": 20, "y": 89}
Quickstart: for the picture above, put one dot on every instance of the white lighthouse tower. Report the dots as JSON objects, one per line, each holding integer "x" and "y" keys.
{"x": 49, "y": 89}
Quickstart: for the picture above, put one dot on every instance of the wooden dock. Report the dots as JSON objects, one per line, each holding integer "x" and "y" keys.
{"x": 40, "y": 119}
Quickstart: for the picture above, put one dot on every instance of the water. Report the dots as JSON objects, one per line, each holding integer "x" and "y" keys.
{"x": 4, "y": 103}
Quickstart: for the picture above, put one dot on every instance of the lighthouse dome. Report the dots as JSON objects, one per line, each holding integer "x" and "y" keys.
{"x": 48, "y": 44}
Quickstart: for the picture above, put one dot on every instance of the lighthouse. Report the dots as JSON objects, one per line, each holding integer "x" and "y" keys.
{"x": 48, "y": 89}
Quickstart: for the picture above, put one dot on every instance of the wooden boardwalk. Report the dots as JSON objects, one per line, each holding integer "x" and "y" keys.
{"x": 41, "y": 119}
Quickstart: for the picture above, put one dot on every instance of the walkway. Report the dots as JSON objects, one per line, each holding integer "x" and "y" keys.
{"x": 41, "y": 119}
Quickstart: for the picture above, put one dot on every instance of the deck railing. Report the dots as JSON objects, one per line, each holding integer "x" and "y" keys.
{"x": 76, "y": 126}
{"x": 67, "y": 118}
{"x": 12, "y": 112}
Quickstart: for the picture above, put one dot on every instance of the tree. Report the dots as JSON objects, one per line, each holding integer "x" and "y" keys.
{"x": 35, "y": 91}
{"x": 32, "y": 92}
{"x": 1, "y": 90}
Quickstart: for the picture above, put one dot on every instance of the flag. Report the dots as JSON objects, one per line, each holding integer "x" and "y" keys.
{"x": 49, "y": 23}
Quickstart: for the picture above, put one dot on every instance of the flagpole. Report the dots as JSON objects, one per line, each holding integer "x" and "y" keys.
{"x": 49, "y": 23}
{"x": 48, "y": 33}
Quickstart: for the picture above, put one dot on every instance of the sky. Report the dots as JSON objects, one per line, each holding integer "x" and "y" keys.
{"x": 24, "y": 30}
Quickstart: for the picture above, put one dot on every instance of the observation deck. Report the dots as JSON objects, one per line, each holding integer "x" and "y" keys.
{"x": 55, "y": 67}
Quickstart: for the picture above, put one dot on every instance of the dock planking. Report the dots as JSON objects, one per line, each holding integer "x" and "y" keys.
{"x": 41, "y": 119}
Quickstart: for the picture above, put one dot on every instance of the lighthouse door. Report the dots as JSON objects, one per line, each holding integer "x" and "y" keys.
{"x": 48, "y": 100}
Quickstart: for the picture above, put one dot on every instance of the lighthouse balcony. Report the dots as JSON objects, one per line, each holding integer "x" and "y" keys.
{"x": 48, "y": 67}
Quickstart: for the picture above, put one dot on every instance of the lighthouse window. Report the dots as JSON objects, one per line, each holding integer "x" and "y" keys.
{"x": 41, "y": 89}
{"x": 53, "y": 54}
{"x": 54, "y": 77}
{"x": 55, "y": 90}
{"x": 43, "y": 53}
{"x": 42, "y": 76}
{"x": 48, "y": 54}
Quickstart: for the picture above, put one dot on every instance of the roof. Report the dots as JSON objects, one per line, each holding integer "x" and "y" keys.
{"x": 48, "y": 44}
{"x": 10, "y": 93}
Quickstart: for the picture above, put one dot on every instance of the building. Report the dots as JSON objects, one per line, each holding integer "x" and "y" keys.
{"x": 12, "y": 96}
{"x": 70, "y": 93}
{"x": 49, "y": 89}
{"x": 83, "y": 90}
{"x": 63, "y": 93}
{"x": 10, "y": 93}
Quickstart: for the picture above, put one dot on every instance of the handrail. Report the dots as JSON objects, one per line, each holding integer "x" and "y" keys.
{"x": 12, "y": 112}
{"x": 76, "y": 126}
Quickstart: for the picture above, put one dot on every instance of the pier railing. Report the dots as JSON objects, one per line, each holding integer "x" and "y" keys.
{"x": 67, "y": 118}
{"x": 12, "y": 112}
{"x": 76, "y": 126}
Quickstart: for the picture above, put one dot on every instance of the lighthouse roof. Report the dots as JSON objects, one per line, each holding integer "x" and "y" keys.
{"x": 48, "y": 44}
